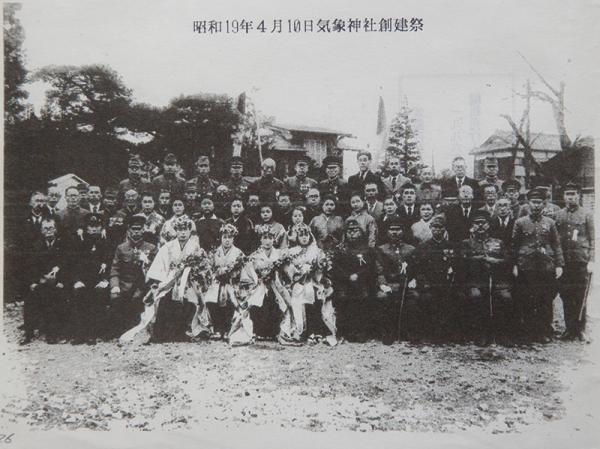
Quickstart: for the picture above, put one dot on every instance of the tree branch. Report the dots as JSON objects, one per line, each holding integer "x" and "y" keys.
{"x": 553, "y": 90}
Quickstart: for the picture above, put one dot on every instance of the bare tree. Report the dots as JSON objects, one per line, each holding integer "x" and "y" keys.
{"x": 557, "y": 101}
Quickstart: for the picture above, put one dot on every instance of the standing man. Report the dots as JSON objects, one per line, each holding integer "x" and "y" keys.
{"x": 431, "y": 273}
{"x": 502, "y": 222}
{"x": 71, "y": 218}
{"x": 549, "y": 209}
{"x": 408, "y": 211}
{"x": 134, "y": 181}
{"x": 357, "y": 182}
{"x": 334, "y": 185}
{"x": 237, "y": 184}
{"x": 95, "y": 200}
{"x": 267, "y": 187}
{"x": 490, "y": 195}
{"x": 190, "y": 198}
{"x": 490, "y": 168}
{"x": 54, "y": 197}
{"x": 576, "y": 229}
{"x": 428, "y": 189}
{"x": 394, "y": 182}
{"x": 312, "y": 204}
{"x": 205, "y": 185}
{"x": 127, "y": 277}
{"x": 208, "y": 225}
{"x": 373, "y": 205}
{"x": 512, "y": 189}
{"x": 299, "y": 184}
{"x": 392, "y": 263}
{"x": 486, "y": 279}
{"x": 539, "y": 262}
{"x": 154, "y": 221}
{"x": 459, "y": 215}
{"x": 450, "y": 187}
{"x": 170, "y": 179}
{"x": 164, "y": 204}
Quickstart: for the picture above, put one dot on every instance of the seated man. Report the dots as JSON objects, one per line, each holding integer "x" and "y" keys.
{"x": 392, "y": 262}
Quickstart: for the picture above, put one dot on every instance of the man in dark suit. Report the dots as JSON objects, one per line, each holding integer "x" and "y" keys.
{"x": 459, "y": 215}
{"x": 502, "y": 222}
{"x": 357, "y": 182}
{"x": 451, "y": 186}
{"x": 44, "y": 306}
{"x": 408, "y": 211}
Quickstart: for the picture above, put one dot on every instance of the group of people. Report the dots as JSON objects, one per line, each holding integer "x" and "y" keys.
{"x": 300, "y": 260}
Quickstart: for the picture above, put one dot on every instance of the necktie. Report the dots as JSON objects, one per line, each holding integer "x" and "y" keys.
{"x": 466, "y": 212}
{"x": 459, "y": 181}
{"x": 394, "y": 183}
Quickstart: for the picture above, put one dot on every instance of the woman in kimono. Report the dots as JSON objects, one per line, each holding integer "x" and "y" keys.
{"x": 310, "y": 291}
{"x": 266, "y": 220}
{"x": 270, "y": 302}
{"x": 180, "y": 275}
{"x": 290, "y": 237}
{"x": 227, "y": 262}
{"x": 168, "y": 232}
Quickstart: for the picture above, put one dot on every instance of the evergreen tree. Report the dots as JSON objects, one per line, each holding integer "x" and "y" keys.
{"x": 403, "y": 139}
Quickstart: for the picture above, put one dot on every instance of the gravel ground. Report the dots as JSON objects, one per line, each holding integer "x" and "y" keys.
{"x": 360, "y": 387}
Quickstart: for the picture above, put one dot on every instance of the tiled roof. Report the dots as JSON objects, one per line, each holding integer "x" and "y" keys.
{"x": 503, "y": 140}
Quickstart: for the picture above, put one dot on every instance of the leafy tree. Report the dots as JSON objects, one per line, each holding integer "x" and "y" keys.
{"x": 404, "y": 138}
{"x": 90, "y": 98}
{"x": 15, "y": 74}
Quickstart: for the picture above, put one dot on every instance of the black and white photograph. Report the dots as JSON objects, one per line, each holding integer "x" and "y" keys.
{"x": 300, "y": 224}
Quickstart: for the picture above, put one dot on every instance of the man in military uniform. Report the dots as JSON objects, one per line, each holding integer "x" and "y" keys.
{"x": 576, "y": 229}
{"x": 354, "y": 275}
{"x": 88, "y": 277}
{"x": 170, "y": 179}
{"x": 208, "y": 225}
{"x": 190, "y": 198}
{"x": 134, "y": 181}
{"x": 486, "y": 277}
{"x": 237, "y": 184}
{"x": 433, "y": 309}
{"x": 334, "y": 185}
{"x": 109, "y": 202}
{"x": 83, "y": 189}
{"x": 392, "y": 262}
{"x": 71, "y": 218}
{"x": 44, "y": 306}
{"x": 549, "y": 209}
{"x": 512, "y": 189}
{"x": 127, "y": 277}
{"x": 490, "y": 169}
{"x": 539, "y": 261}
{"x": 267, "y": 187}
{"x": 299, "y": 184}
{"x": 205, "y": 185}
{"x": 164, "y": 207}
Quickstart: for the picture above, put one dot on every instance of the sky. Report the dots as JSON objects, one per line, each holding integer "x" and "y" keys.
{"x": 459, "y": 74}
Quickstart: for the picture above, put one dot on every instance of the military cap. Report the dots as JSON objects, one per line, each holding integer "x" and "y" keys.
{"x": 137, "y": 220}
{"x": 170, "y": 158}
{"x": 536, "y": 193}
{"x": 352, "y": 224}
{"x": 203, "y": 160}
{"x": 480, "y": 215}
{"x": 511, "y": 184}
{"x": 438, "y": 220}
{"x": 570, "y": 186}
{"x": 229, "y": 230}
{"x": 395, "y": 223}
{"x": 332, "y": 160}
{"x": 490, "y": 160}
{"x": 237, "y": 161}
{"x": 93, "y": 220}
{"x": 303, "y": 159}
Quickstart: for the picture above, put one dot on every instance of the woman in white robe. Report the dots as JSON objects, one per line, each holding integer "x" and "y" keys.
{"x": 168, "y": 233}
{"x": 270, "y": 302}
{"x": 174, "y": 306}
{"x": 310, "y": 290}
{"x": 227, "y": 261}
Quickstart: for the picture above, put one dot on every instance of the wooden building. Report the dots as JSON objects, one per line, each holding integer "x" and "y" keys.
{"x": 503, "y": 146}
